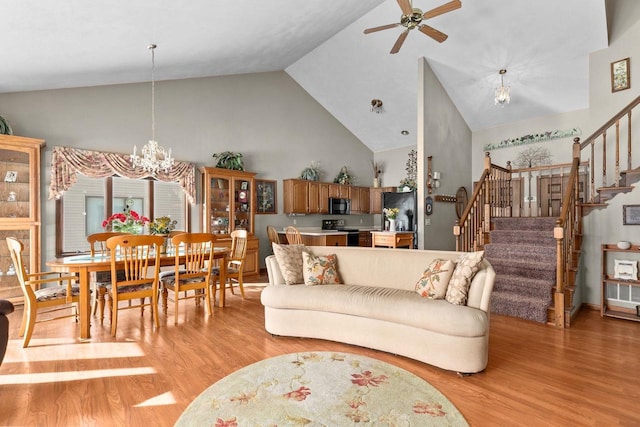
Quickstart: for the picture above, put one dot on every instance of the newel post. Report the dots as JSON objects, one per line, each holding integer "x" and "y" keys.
{"x": 487, "y": 161}
{"x": 576, "y": 147}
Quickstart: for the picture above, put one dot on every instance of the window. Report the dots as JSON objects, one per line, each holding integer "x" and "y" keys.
{"x": 83, "y": 207}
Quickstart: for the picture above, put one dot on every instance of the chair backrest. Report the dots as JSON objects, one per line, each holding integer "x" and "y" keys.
{"x": 238, "y": 248}
{"x": 197, "y": 250}
{"x": 98, "y": 241}
{"x": 140, "y": 258}
{"x": 15, "y": 249}
{"x": 272, "y": 233}
{"x": 293, "y": 235}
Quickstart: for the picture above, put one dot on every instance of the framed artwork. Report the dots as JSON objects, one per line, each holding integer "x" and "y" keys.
{"x": 625, "y": 269}
{"x": 620, "y": 75}
{"x": 267, "y": 202}
{"x": 11, "y": 176}
{"x": 631, "y": 214}
{"x": 244, "y": 185}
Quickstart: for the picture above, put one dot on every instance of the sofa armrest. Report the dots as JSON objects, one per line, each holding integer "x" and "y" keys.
{"x": 273, "y": 270}
{"x": 6, "y": 307}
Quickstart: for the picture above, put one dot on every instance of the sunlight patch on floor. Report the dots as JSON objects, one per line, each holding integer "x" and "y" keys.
{"x": 52, "y": 377}
{"x": 65, "y": 349}
{"x": 163, "y": 399}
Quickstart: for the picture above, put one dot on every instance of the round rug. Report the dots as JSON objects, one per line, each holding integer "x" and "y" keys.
{"x": 321, "y": 389}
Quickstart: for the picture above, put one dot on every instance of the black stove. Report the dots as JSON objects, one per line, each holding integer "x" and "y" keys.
{"x": 353, "y": 235}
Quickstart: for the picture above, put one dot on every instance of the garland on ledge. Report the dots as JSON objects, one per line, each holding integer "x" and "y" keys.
{"x": 530, "y": 139}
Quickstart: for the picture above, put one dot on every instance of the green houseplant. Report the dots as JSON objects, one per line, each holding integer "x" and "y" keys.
{"x": 311, "y": 173}
{"x": 229, "y": 160}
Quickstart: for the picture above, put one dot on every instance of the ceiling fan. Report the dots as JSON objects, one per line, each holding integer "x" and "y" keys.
{"x": 412, "y": 18}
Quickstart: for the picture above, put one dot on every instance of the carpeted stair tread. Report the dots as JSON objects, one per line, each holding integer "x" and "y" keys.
{"x": 526, "y": 268}
{"x": 526, "y": 286}
{"x": 511, "y": 304}
{"x": 534, "y": 223}
{"x": 519, "y": 237}
{"x": 539, "y": 253}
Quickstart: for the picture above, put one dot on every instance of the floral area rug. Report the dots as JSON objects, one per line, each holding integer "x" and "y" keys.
{"x": 321, "y": 389}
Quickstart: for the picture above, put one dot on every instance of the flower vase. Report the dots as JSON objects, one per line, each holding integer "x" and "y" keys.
{"x": 376, "y": 182}
{"x": 392, "y": 224}
{"x": 165, "y": 243}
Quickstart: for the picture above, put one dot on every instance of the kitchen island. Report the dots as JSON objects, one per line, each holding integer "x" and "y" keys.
{"x": 392, "y": 239}
{"x": 320, "y": 237}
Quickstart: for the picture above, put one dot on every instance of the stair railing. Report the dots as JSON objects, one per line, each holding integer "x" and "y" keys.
{"x": 601, "y": 135}
{"x": 491, "y": 198}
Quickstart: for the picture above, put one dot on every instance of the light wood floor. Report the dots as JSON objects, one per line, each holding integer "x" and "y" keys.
{"x": 537, "y": 375}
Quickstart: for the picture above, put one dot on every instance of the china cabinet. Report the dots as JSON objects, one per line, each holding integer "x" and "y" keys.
{"x": 228, "y": 204}
{"x": 19, "y": 207}
{"x": 620, "y": 292}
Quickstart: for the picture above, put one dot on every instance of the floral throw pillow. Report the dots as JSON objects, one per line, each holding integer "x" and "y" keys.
{"x": 289, "y": 259}
{"x": 435, "y": 279}
{"x": 466, "y": 267}
{"x": 320, "y": 270}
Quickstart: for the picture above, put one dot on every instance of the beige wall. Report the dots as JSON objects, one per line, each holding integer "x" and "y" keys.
{"x": 268, "y": 117}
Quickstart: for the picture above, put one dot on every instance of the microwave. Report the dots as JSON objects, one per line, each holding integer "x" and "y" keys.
{"x": 338, "y": 206}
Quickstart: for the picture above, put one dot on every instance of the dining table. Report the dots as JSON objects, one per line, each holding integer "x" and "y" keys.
{"x": 83, "y": 265}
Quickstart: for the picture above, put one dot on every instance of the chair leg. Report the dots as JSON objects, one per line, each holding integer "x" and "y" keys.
{"x": 31, "y": 321}
{"x": 113, "y": 306}
{"x": 165, "y": 296}
{"x": 207, "y": 300}
{"x": 23, "y": 325}
{"x": 101, "y": 297}
{"x": 240, "y": 285}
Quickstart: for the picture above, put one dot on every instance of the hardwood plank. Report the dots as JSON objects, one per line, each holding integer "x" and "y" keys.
{"x": 537, "y": 375}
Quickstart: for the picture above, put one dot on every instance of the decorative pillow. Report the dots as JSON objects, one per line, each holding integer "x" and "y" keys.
{"x": 466, "y": 267}
{"x": 320, "y": 270}
{"x": 289, "y": 259}
{"x": 435, "y": 279}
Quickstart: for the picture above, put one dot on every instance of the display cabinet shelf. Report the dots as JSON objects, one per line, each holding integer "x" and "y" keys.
{"x": 620, "y": 296}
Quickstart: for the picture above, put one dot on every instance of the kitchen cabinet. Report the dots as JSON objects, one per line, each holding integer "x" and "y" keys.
{"x": 19, "y": 208}
{"x": 376, "y": 198}
{"x": 302, "y": 196}
{"x": 360, "y": 200}
{"x": 620, "y": 297}
{"x": 340, "y": 191}
{"x": 364, "y": 239}
{"x": 228, "y": 204}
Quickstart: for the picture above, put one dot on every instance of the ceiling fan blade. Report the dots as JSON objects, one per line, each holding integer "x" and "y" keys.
{"x": 383, "y": 27}
{"x": 398, "y": 44}
{"x": 447, "y": 7}
{"x": 433, "y": 33}
{"x": 405, "y": 5}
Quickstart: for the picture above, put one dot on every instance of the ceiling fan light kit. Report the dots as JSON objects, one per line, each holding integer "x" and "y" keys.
{"x": 412, "y": 18}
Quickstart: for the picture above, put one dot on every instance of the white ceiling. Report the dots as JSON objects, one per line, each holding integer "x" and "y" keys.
{"x": 544, "y": 45}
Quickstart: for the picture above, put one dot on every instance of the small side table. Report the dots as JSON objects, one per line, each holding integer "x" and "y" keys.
{"x": 392, "y": 239}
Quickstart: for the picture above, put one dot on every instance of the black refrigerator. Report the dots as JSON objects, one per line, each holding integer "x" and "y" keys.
{"x": 407, "y": 203}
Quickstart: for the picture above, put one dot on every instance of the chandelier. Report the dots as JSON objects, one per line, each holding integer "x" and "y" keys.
{"x": 154, "y": 157}
{"x": 502, "y": 95}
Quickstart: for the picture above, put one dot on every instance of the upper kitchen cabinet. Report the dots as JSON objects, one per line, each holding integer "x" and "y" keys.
{"x": 304, "y": 197}
{"x": 360, "y": 200}
{"x": 19, "y": 207}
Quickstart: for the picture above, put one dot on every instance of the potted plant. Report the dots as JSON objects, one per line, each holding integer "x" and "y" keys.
{"x": 162, "y": 226}
{"x": 125, "y": 222}
{"x": 311, "y": 173}
{"x": 377, "y": 170}
{"x": 343, "y": 177}
{"x": 229, "y": 160}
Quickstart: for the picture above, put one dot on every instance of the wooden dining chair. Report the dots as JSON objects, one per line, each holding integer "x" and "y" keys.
{"x": 101, "y": 280}
{"x": 293, "y": 235}
{"x": 139, "y": 257}
{"x": 235, "y": 264}
{"x": 272, "y": 233}
{"x": 193, "y": 273}
{"x": 62, "y": 296}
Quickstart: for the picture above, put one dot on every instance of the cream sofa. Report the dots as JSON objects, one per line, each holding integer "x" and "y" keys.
{"x": 377, "y": 307}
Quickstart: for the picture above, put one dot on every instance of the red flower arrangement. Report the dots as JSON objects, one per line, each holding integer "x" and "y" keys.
{"x": 127, "y": 222}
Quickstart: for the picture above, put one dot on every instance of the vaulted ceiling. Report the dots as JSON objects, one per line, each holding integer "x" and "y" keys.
{"x": 543, "y": 44}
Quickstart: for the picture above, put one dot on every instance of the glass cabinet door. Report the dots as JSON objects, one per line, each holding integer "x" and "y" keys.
{"x": 219, "y": 205}
{"x": 15, "y": 180}
{"x": 243, "y": 205}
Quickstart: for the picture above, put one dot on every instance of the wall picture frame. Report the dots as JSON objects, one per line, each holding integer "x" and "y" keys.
{"x": 266, "y": 196}
{"x": 625, "y": 269}
{"x": 620, "y": 75}
{"x": 11, "y": 176}
{"x": 631, "y": 214}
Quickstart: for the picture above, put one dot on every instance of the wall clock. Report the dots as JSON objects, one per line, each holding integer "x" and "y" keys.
{"x": 242, "y": 197}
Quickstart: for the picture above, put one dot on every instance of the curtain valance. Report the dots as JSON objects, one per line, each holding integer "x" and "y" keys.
{"x": 67, "y": 162}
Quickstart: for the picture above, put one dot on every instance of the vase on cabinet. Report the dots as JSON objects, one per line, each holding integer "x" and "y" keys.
{"x": 376, "y": 182}
{"x": 392, "y": 225}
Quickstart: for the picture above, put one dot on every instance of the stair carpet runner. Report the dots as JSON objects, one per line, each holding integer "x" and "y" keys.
{"x": 523, "y": 253}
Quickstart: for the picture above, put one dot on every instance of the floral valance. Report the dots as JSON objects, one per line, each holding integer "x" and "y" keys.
{"x": 67, "y": 162}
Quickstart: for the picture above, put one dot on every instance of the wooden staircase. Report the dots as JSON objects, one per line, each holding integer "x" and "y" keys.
{"x": 492, "y": 198}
